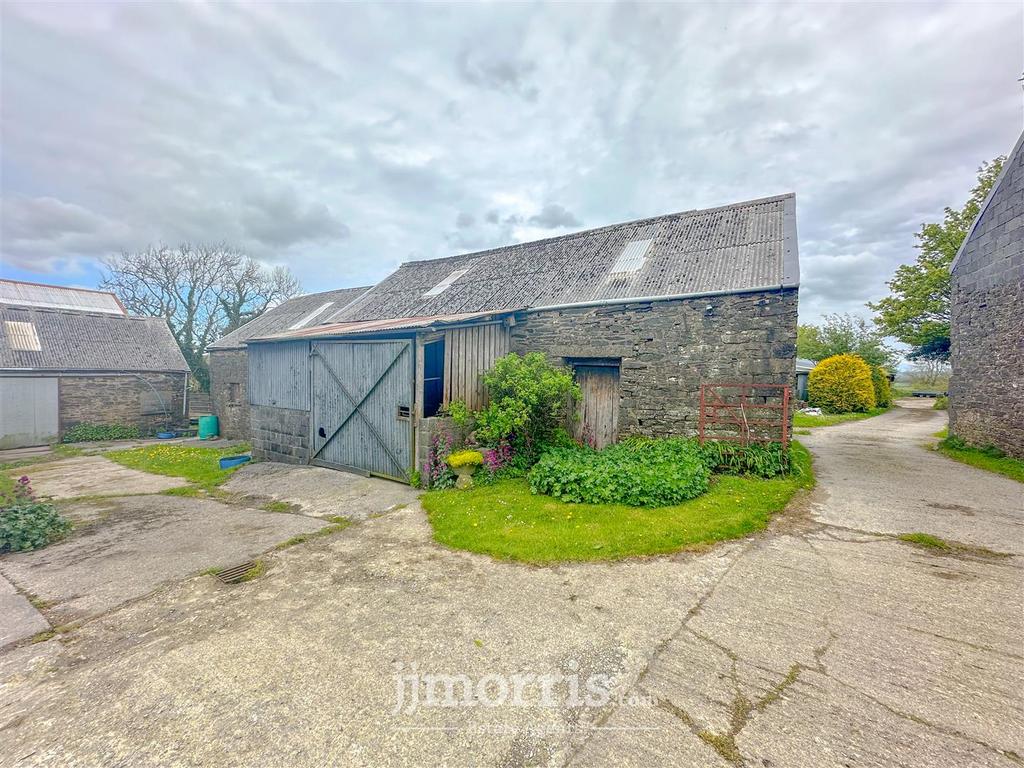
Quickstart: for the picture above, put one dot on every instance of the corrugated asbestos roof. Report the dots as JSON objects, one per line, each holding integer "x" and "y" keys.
{"x": 80, "y": 341}
{"x": 284, "y": 316}
{"x": 21, "y": 294}
{"x": 734, "y": 248}
{"x": 379, "y": 326}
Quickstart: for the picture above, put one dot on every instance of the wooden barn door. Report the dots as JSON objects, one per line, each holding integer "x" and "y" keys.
{"x": 361, "y": 416}
{"x": 598, "y": 424}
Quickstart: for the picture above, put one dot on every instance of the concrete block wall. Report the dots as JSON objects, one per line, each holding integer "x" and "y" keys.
{"x": 669, "y": 348}
{"x": 122, "y": 399}
{"x": 279, "y": 434}
{"x": 228, "y": 367}
{"x": 986, "y": 389}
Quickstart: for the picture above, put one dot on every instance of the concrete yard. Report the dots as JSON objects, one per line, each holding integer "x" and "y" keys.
{"x": 823, "y": 641}
{"x": 93, "y": 476}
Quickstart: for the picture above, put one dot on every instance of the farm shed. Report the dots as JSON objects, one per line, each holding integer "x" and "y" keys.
{"x": 986, "y": 390}
{"x": 229, "y": 360}
{"x": 643, "y": 312}
{"x": 803, "y": 372}
{"x": 69, "y": 356}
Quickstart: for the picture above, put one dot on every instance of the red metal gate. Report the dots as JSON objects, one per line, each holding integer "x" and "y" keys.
{"x": 745, "y": 413}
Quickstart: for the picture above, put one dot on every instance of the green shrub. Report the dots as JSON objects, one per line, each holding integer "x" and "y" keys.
{"x": 759, "y": 459}
{"x": 841, "y": 384}
{"x": 528, "y": 403}
{"x": 941, "y": 403}
{"x": 646, "y": 473}
{"x": 84, "y": 432}
{"x": 27, "y": 522}
{"x": 880, "y": 382}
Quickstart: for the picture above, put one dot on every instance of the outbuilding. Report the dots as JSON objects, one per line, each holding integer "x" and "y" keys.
{"x": 229, "y": 359}
{"x": 70, "y": 356}
{"x": 986, "y": 390}
{"x": 644, "y": 312}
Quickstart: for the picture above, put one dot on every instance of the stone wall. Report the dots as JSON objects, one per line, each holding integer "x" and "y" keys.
{"x": 669, "y": 348}
{"x": 279, "y": 434}
{"x": 229, "y": 379}
{"x": 987, "y": 326}
{"x": 122, "y": 399}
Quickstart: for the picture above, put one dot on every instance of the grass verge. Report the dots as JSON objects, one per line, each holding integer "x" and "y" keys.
{"x": 507, "y": 521}
{"x": 982, "y": 458}
{"x": 196, "y": 464}
{"x": 830, "y": 419}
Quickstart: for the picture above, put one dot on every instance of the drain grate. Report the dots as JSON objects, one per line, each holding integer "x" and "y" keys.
{"x": 236, "y": 573}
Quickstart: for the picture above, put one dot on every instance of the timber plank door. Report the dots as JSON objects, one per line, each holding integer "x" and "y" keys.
{"x": 598, "y": 424}
{"x": 361, "y": 411}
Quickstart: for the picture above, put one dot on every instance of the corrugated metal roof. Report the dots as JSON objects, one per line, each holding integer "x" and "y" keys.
{"x": 804, "y": 365}
{"x": 79, "y": 341}
{"x": 380, "y": 326}
{"x": 733, "y": 248}
{"x": 286, "y": 315}
{"x": 21, "y": 294}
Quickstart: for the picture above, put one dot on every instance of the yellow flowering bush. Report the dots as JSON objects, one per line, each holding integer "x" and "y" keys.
{"x": 841, "y": 384}
{"x": 465, "y": 458}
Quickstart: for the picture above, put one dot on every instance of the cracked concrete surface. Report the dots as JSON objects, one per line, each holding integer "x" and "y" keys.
{"x": 823, "y": 642}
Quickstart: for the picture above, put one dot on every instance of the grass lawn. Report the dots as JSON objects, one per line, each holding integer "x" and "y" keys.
{"x": 828, "y": 419}
{"x": 509, "y": 522}
{"x": 1003, "y": 465}
{"x": 196, "y": 464}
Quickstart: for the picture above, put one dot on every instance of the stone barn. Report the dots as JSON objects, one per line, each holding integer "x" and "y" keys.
{"x": 986, "y": 391}
{"x": 643, "y": 312}
{"x": 229, "y": 361}
{"x": 71, "y": 356}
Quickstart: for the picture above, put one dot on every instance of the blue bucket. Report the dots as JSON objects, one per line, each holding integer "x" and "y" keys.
{"x": 166, "y": 435}
{"x": 233, "y": 461}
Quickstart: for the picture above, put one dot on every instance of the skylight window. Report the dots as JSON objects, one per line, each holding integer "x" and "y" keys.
{"x": 311, "y": 316}
{"x": 22, "y": 336}
{"x": 445, "y": 284}
{"x": 632, "y": 258}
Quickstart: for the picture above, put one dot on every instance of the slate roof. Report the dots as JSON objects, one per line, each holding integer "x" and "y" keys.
{"x": 285, "y": 315}
{"x": 22, "y": 294}
{"x": 734, "y": 248}
{"x": 82, "y": 341}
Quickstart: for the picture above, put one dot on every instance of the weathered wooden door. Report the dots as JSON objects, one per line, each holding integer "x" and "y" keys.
{"x": 599, "y": 408}
{"x": 361, "y": 414}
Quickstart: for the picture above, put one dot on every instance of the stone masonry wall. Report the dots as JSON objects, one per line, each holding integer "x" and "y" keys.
{"x": 279, "y": 434}
{"x": 986, "y": 390}
{"x": 121, "y": 399}
{"x": 668, "y": 348}
{"x": 228, "y": 367}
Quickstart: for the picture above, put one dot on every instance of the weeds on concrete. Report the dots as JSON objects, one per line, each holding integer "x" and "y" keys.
{"x": 329, "y": 530}
{"x": 942, "y": 546}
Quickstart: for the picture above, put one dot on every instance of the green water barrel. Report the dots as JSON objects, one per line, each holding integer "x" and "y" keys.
{"x": 208, "y": 427}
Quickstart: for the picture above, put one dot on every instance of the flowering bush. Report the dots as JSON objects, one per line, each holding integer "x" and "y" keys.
{"x": 465, "y": 459}
{"x": 436, "y": 471}
{"x": 841, "y": 384}
{"x": 27, "y": 522}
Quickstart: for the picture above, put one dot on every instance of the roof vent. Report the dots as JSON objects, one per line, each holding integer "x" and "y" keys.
{"x": 22, "y": 336}
{"x": 632, "y": 258}
{"x": 445, "y": 284}
{"x": 311, "y": 316}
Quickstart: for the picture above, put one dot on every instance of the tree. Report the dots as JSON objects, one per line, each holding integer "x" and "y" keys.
{"x": 917, "y": 310}
{"x": 841, "y": 335}
{"x": 201, "y": 290}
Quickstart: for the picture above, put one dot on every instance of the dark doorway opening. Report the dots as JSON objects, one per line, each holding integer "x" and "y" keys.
{"x": 433, "y": 377}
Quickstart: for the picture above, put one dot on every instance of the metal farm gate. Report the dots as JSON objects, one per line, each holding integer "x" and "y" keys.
{"x": 361, "y": 410}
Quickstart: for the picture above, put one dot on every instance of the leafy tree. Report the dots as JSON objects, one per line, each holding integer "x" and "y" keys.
{"x": 529, "y": 400}
{"x": 201, "y": 290}
{"x": 917, "y": 310}
{"x": 841, "y": 335}
{"x": 841, "y": 384}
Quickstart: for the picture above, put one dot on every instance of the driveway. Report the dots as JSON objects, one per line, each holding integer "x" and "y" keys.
{"x": 822, "y": 642}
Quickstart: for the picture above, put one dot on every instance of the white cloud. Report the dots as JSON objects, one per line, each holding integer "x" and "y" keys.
{"x": 344, "y": 139}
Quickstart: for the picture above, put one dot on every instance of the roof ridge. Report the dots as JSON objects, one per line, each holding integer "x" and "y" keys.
{"x": 606, "y": 227}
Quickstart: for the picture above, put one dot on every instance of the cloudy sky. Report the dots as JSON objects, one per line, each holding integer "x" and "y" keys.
{"x": 342, "y": 140}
